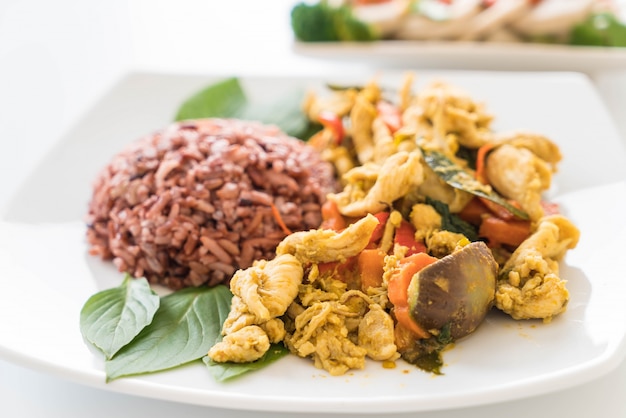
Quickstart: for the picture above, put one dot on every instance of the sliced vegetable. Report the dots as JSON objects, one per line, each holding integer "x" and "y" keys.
{"x": 370, "y": 264}
{"x": 390, "y": 114}
{"x": 460, "y": 179}
{"x": 474, "y": 211}
{"x": 500, "y": 232}
{"x": 332, "y": 121}
{"x": 456, "y": 291}
{"x": 481, "y": 161}
{"x": 344, "y": 271}
{"x": 405, "y": 236}
{"x": 331, "y": 217}
{"x": 397, "y": 290}
{"x": 378, "y": 232}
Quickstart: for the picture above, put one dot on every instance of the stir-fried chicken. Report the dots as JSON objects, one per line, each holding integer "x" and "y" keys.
{"x": 394, "y": 179}
{"x": 529, "y": 284}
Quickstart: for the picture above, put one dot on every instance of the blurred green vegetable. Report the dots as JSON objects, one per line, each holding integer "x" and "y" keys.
{"x": 323, "y": 23}
{"x": 600, "y": 29}
{"x": 227, "y": 99}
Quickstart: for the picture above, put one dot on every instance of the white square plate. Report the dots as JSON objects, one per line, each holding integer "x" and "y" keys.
{"x": 46, "y": 274}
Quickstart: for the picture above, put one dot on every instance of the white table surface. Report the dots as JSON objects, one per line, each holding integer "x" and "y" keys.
{"x": 57, "y": 57}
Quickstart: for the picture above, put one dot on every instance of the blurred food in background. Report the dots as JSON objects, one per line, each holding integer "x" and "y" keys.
{"x": 571, "y": 22}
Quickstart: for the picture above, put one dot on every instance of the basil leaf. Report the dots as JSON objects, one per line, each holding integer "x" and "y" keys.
{"x": 110, "y": 319}
{"x": 186, "y": 325}
{"x": 224, "y": 99}
{"x": 227, "y": 99}
{"x": 458, "y": 178}
{"x": 226, "y": 371}
{"x": 451, "y": 222}
{"x": 284, "y": 112}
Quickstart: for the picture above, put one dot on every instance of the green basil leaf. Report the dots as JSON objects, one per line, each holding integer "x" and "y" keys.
{"x": 284, "y": 112}
{"x": 455, "y": 176}
{"x": 227, "y": 99}
{"x": 226, "y": 371}
{"x": 110, "y": 319}
{"x": 451, "y": 222}
{"x": 184, "y": 328}
{"x": 224, "y": 99}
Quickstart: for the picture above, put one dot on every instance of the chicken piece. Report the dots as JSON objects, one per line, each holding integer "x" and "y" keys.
{"x": 449, "y": 111}
{"x": 384, "y": 144}
{"x": 340, "y": 158}
{"x": 325, "y": 245}
{"x": 261, "y": 293}
{"x": 425, "y": 219}
{"x": 238, "y": 317}
{"x": 321, "y": 333}
{"x": 518, "y": 174}
{"x": 339, "y": 103}
{"x": 441, "y": 243}
{"x": 361, "y": 119}
{"x": 267, "y": 288}
{"x": 400, "y": 173}
{"x": 436, "y": 188}
{"x": 405, "y": 94}
{"x": 248, "y": 344}
{"x": 529, "y": 286}
{"x": 541, "y": 146}
{"x": 376, "y": 334}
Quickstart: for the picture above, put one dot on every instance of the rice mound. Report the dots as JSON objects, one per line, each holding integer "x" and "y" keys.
{"x": 190, "y": 204}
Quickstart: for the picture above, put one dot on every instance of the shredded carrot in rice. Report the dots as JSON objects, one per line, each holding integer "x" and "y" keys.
{"x": 279, "y": 219}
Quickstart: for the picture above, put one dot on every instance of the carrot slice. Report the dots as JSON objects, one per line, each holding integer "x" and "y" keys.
{"x": 279, "y": 219}
{"x": 474, "y": 211}
{"x": 370, "y": 264}
{"x": 398, "y": 286}
{"x": 331, "y": 217}
{"x": 404, "y": 318}
{"x": 481, "y": 160}
{"x": 405, "y": 236}
{"x": 504, "y": 232}
{"x": 390, "y": 114}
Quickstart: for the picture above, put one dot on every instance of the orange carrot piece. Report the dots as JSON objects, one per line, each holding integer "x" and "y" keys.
{"x": 390, "y": 114}
{"x": 405, "y": 236}
{"x": 398, "y": 286}
{"x": 504, "y": 232}
{"x": 404, "y": 319}
{"x": 377, "y": 234}
{"x": 370, "y": 264}
{"x": 279, "y": 219}
{"x": 474, "y": 211}
{"x": 481, "y": 160}
{"x": 500, "y": 211}
{"x": 331, "y": 217}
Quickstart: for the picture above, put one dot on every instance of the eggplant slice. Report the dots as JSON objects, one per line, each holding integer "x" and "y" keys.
{"x": 456, "y": 292}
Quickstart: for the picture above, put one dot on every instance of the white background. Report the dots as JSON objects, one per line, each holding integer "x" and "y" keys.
{"x": 58, "y": 57}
